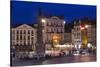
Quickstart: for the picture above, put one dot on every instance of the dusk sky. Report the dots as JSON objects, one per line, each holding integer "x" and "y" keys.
{"x": 26, "y": 12}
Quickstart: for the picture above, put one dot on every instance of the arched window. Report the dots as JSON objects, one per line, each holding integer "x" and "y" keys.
{"x": 28, "y": 31}
{"x": 24, "y": 32}
{"x": 20, "y": 32}
{"x": 17, "y": 31}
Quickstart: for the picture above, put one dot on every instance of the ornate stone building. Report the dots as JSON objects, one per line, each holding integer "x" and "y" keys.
{"x": 23, "y": 38}
{"x": 83, "y": 35}
{"x": 53, "y": 30}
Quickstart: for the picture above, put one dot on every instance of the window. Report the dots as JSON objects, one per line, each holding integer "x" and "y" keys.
{"x": 20, "y": 37}
{"x": 28, "y": 37}
{"x": 59, "y": 30}
{"x": 28, "y": 31}
{"x": 17, "y": 37}
{"x": 24, "y": 42}
{"x": 13, "y": 31}
{"x": 24, "y": 38}
{"x": 32, "y": 40}
{"x": 50, "y": 29}
{"x": 32, "y": 32}
{"x": 24, "y": 32}
{"x": 17, "y": 31}
{"x": 54, "y": 29}
{"x": 20, "y": 31}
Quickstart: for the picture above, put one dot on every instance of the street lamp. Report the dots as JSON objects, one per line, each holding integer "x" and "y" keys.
{"x": 89, "y": 45}
{"x": 86, "y": 26}
{"x": 43, "y": 20}
{"x": 64, "y": 22}
{"x": 83, "y": 27}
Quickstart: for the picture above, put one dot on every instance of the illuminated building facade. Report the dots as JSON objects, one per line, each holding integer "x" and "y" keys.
{"x": 23, "y": 38}
{"x": 53, "y": 30}
{"x": 91, "y": 34}
{"x": 76, "y": 35}
{"x": 83, "y": 34}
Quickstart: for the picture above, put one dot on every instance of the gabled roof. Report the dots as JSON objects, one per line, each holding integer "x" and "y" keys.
{"x": 24, "y": 26}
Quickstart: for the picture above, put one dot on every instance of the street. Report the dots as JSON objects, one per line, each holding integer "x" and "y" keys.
{"x": 58, "y": 60}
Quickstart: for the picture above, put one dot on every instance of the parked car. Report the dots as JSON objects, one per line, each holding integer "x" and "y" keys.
{"x": 84, "y": 53}
{"x": 76, "y": 53}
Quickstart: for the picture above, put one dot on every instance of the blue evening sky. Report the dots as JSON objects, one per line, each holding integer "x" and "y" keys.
{"x": 26, "y": 12}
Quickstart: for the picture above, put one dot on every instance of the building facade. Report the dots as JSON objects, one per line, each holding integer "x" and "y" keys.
{"x": 68, "y": 37}
{"x": 23, "y": 38}
{"x": 76, "y": 35}
{"x": 83, "y": 35}
{"x": 53, "y": 30}
{"x": 91, "y": 34}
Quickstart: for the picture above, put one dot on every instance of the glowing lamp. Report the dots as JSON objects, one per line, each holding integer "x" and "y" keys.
{"x": 88, "y": 45}
{"x": 64, "y": 22}
{"x": 43, "y": 20}
{"x": 82, "y": 28}
{"x": 55, "y": 40}
{"x": 86, "y": 26}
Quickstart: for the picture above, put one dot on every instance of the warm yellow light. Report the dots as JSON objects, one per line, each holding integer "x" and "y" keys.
{"x": 43, "y": 20}
{"x": 55, "y": 37}
{"x": 56, "y": 40}
{"x": 43, "y": 30}
{"x": 61, "y": 46}
{"x": 82, "y": 28}
{"x": 84, "y": 39}
{"x": 86, "y": 26}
